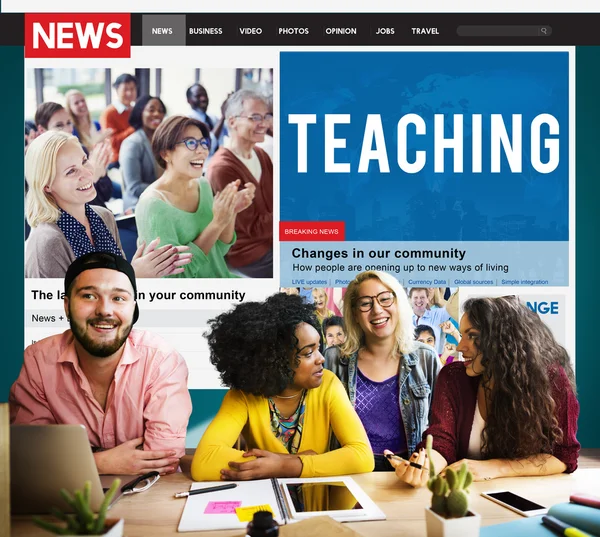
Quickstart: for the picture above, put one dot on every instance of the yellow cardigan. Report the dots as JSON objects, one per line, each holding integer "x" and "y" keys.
{"x": 327, "y": 408}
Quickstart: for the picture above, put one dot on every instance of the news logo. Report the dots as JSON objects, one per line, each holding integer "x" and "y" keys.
{"x": 77, "y": 35}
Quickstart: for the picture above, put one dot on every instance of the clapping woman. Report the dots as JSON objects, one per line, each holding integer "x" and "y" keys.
{"x": 281, "y": 399}
{"x": 510, "y": 408}
{"x": 64, "y": 225}
{"x": 179, "y": 207}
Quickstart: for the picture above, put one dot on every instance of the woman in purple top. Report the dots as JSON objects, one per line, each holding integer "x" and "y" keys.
{"x": 389, "y": 377}
{"x": 510, "y": 409}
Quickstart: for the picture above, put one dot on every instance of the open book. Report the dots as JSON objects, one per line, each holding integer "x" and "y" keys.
{"x": 289, "y": 500}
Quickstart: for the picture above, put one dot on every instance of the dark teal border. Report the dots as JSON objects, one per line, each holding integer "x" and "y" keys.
{"x": 587, "y": 241}
{"x": 13, "y": 220}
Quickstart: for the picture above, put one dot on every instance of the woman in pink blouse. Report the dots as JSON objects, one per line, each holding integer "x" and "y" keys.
{"x": 510, "y": 409}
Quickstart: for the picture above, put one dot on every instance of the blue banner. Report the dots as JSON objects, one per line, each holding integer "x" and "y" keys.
{"x": 427, "y": 146}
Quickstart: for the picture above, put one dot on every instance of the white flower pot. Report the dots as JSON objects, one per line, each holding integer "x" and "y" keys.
{"x": 437, "y": 526}
{"x": 115, "y": 528}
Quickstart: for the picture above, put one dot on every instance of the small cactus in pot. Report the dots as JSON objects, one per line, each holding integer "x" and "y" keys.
{"x": 83, "y": 521}
{"x": 450, "y": 493}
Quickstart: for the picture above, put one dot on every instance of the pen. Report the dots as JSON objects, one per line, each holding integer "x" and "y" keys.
{"x": 411, "y": 463}
{"x": 561, "y": 528}
{"x": 206, "y": 489}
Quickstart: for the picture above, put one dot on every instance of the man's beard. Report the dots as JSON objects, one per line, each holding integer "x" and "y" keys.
{"x": 102, "y": 349}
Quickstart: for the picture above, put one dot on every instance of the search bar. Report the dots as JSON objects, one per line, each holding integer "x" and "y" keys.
{"x": 504, "y": 31}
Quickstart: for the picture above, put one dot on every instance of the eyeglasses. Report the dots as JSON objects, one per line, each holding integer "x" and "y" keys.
{"x": 193, "y": 143}
{"x": 257, "y": 118}
{"x": 385, "y": 299}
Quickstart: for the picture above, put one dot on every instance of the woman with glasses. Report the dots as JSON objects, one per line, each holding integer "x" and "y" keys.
{"x": 64, "y": 224}
{"x": 179, "y": 207}
{"x": 510, "y": 409}
{"x": 281, "y": 399}
{"x": 389, "y": 377}
{"x": 138, "y": 165}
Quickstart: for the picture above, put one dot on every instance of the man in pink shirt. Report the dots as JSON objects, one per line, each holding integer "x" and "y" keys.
{"x": 127, "y": 387}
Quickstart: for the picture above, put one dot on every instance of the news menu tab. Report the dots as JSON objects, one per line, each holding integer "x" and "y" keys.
{"x": 163, "y": 30}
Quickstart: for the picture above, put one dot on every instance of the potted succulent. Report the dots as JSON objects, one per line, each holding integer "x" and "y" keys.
{"x": 83, "y": 521}
{"x": 449, "y": 514}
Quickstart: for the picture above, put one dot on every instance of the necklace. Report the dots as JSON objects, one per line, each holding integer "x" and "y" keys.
{"x": 288, "y": 396}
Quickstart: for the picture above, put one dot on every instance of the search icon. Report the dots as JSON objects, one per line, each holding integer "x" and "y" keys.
{"x": 544, "y": 30}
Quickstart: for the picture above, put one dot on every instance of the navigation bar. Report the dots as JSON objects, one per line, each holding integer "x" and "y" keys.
{"x": 358, "y": 29}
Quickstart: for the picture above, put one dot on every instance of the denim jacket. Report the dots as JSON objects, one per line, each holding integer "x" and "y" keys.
{"x": 418, "y": 373}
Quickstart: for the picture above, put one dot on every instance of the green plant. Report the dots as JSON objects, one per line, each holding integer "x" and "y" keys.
{"x": 450, "y": 494}
{"x": 83, "y": 521}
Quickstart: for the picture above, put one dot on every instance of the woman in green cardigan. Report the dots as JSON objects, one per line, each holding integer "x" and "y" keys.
{"x": 180, "y": 208}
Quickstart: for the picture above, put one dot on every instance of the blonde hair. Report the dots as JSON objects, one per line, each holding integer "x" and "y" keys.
{"x": 84, "y": 137}
{"x": 40, "y": 172}
{"x": 319, "y": 290}
{"x": 404, "y": 332}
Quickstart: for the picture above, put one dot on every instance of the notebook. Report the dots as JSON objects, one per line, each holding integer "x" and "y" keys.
{"x": 584, "y": 518}
{"x": 289, "y": 500}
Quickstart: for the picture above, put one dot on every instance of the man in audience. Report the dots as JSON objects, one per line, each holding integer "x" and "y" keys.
{"x": 334, "y": 331}
{"x": 116, "y": 116}
{"x": 431, "y": 317}
{"x": 128, "y": 387}
{"x": 197, "y": 98}
{"x": 248, "y": 117}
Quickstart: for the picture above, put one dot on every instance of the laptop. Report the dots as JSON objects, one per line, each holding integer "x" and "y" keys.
{"x": 46, "y": 458}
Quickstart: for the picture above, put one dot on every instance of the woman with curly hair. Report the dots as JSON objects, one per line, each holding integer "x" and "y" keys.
{"x": 281, "y": 399}
{"x": 510, "y": 408}
{"x": 389, "y": 377}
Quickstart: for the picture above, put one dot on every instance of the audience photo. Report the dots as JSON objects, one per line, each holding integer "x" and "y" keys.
{"x": 119, "y": 149}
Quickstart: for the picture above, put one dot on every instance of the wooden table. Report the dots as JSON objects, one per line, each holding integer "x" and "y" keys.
{"x": 157, "y": 513}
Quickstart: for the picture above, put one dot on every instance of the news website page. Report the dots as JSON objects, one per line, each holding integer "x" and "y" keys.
{"x": 439, "y": 149}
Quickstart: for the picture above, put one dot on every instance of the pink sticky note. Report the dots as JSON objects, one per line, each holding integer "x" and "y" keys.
{"x": 221, "y": 508}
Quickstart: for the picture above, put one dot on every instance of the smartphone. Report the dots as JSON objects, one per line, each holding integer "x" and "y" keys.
{"x": 518, "y": 504}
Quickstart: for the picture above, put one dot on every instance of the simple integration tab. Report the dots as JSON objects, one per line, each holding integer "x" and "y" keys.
{"x": 163, "y": 30}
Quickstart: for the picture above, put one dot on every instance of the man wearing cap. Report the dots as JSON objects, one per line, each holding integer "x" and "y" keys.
{"x": 127, "y": 387}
